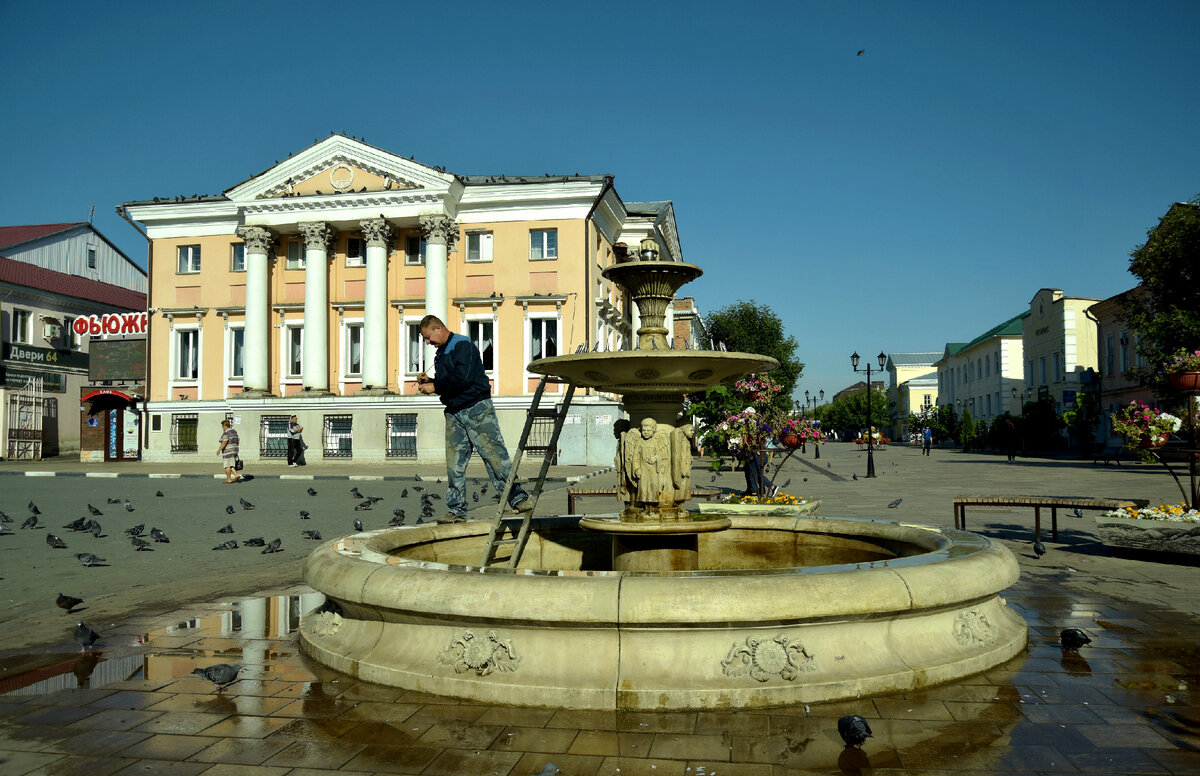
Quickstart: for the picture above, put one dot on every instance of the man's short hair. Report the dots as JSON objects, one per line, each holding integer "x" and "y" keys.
{"x": 429, "y": 321}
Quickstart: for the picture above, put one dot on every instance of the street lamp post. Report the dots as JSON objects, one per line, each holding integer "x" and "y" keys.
{"x": 882, "y": 358}
{"x": 817, "y": 444}
{"x": 1022, "y": 395}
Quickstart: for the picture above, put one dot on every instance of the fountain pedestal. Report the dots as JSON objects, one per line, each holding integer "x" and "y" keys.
{"x": 655, "y": 546}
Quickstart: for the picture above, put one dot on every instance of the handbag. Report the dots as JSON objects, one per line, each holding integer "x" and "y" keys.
{"x": 237, "y": 465}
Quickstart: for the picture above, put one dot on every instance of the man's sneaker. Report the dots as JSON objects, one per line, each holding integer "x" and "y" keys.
{"x": 451, "y": 518}
{"x": 524, "y": 505}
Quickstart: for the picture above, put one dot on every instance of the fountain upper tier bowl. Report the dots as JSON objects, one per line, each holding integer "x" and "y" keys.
{"x": 653, "y": 371}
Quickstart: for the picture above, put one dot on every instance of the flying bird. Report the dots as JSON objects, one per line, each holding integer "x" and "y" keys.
{"x": 88, "y": 559}
{"x": 1072, "y": 639}
{"x": 55, "y": 542}
{"x": 84, "y": 636}
{"x": 222, "y": 674}
{"x": 273, "y": 546}
{"x": 227, "y": 529}
{"x": 67, "y": 602}
{"x": 229, "y": 509}
{"x": 854, "y": 730}
{"x": 1039, "y": 549}
{"x": 312, "y": 492}
{"x": 861, "y": 52}
{"x": 895, "y": 503}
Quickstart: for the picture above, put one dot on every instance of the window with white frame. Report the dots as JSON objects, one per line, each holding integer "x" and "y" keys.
{"x": 293, "y": 350}
{"x": 1042, "y": 370}
{"x": 187, "y": 354}
{"x": 987, "y": 366}
{"x": 236, "y": 349}
{"x": 543, "y": 244}
{"x": 482, "y": 334}
{"x": 543, "y": 338}
{"x": 189, "y": 259}
{"x": 91, "y": 257}
{"x": 355, "y": 255}
{"x": 69, "y": 334}
{"x": 295, "y": 255}
{"x": 1029, "y": 373}
{"x": 237, "y": 261}
{"x": 414, "y": 249}
{"x": 352, "y": 337}
{"x": 479, "y": 246}
{"x": 1058, "y": 368}
{"x": 21, "y": 322}
{"x": 414, "y": 349}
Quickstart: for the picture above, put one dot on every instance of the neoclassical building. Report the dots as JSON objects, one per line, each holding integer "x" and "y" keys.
{"x": 300, "y": 291}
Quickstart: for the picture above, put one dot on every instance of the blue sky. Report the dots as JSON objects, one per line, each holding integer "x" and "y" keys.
{"x": 917, "y": 194}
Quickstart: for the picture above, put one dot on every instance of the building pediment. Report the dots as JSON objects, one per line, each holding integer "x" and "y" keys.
{"x": 341, "y": 165}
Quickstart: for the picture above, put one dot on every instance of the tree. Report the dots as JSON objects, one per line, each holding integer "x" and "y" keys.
{"x": 1165, "y": 315}
{"x": 966, "y": 430}
{"x": 748, "y": 327}
{"x": 850, "y": 412}
{"x": 1082, "y": 418}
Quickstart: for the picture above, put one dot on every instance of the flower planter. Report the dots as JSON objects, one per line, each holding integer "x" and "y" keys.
{"x": 809, "y": 508}
{"x": 1150, "y": 444}
{"x": 1188, "y": 382}
{"x": 1152, "y": 535}
{"x": 790, "y": 441}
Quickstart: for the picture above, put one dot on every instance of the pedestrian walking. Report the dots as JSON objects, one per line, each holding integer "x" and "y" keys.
{"x": 295, "y": 442}
{"x": 228, "y": 450}
{"x": 926, "y": 441}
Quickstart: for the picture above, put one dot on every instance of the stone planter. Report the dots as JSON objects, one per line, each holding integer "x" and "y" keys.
{"x": 774, "y": 510}
{"x": 1152, "y": 535}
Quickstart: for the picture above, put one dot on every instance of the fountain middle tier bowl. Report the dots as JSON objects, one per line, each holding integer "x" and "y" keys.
{"x": 653, "y": 371}
{"x": 782, "y": 611}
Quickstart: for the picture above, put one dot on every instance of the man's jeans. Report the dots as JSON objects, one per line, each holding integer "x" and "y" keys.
{"x": 476, "y": 428}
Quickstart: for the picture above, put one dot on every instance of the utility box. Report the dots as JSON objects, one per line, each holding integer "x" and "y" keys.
{"x": 587, "y": 432}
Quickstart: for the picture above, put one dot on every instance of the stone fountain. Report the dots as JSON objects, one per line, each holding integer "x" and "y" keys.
{"x": 653, "y": 608}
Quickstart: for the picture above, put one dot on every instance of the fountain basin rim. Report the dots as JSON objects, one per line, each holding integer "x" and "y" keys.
{"x": 666, "y": 527}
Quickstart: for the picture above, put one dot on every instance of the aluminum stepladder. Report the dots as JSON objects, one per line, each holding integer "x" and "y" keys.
{"x": 518, "y": 541}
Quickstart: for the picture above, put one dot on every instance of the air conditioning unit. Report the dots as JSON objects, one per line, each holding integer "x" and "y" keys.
{"x": 51, "y": 331}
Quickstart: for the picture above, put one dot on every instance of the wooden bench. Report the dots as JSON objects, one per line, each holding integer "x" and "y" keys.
{"x": 1111, "y": 452}
{"x": 1054, "y": 503}
{"x": 574, "y": 494}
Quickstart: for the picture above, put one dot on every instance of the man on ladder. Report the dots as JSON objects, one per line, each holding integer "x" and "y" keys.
{"x": 462, "y": 385}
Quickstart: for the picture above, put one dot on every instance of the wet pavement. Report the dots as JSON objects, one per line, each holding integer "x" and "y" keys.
{"x": 1123, "y": 705}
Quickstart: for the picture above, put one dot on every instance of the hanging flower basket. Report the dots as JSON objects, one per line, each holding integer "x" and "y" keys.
{"x": 790, "y": 440}
{"x": 1152, "y": 443}
{"x": 1188, "y": 382}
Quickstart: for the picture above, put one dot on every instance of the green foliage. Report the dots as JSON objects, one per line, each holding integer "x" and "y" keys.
{"x": 850, "y": 412}
{"x": 1082, "y": 418}
{"x": 1165, "y": 315}
{"x": 942, "y": 422}
{"x": 1042, "y": 425}
{"x": 966, "y": 430}
{"x": 749, "y": 327}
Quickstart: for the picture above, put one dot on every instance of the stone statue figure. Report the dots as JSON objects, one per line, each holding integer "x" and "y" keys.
{"x": 642, "y": 462}
{"x": 681, "y": 461}
{"x": 620, "y": 430}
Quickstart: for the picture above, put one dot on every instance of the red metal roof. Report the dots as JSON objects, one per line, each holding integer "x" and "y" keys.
{"x": 13, "y": 235}
{"x": 21, "y": 274}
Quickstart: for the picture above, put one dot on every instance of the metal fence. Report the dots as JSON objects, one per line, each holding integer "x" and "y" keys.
{"x": 337, "y": 438}
{"x": 272, "y": 436}
{"x": 183, "y": 432}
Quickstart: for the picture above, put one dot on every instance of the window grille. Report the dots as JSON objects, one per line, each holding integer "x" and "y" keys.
{"x": 540, "y": 433}
{"x": 337, "y": 438}
{"x": 402, "y": 435}
{"x": 183, "y": 432}
{"x": 272, "y": 436}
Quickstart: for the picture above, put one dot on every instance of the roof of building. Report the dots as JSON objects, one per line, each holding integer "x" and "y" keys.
{"x": 1010, "y": 328}
{"x": 19, "y": 273}
{"x": 15, "y": 235}
{"x": 648, "y": 208}
{"x": 914, "y": 359}
{"x": 929, "y": 378}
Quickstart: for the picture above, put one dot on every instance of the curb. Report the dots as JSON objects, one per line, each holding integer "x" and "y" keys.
{"x": 325, "y": 477}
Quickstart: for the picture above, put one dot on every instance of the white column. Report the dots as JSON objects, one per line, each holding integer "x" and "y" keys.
{"x": 317, "y": 238}
{"x": 255, "y": 361}
{"x": 441, "y": 233}
{"x": 377, "y": 231}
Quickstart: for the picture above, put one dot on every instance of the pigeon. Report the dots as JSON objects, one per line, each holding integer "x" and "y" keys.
{"x": 713, "y": 478}
{"x": 475, "y": 497}
{"x": 136, "y": 530}
{"x": 806, "y": 479}
{"x": 895, "y": 503}
{"x": 139, "y": 544}
{"x": 314, "y": 535}
{"x": 854, "y": 730}
{"x": 67, "y": 602}
{"x": 159, "y": 536}
{"x": 855, "y": 476}
{"x": 34, "y": 508}
{"x": 549, "y": 769}
{"x": 257, "y": 541}
{"x": 4, "y": 518}
{"x": 398, "y": 512}
{"x": 364, "y": 506}
{"x": 1078, "y": 512}
{"x": 84, "y": 636}
{"x": 417, "y": 477}
{"x": 229, "y": 509}
{"x": 77, "y": 525}
{"x": 404, "y": 493}
{"x": 158, "y": 493}
{"x": 96, "y": 529}
{"x": 5, "y": 530}
{"x": 229, "y": 545}
{"x": 435, "y": 496}
{"x": 88, "y": 559}
{"x": 245, "y": 504}
{"x": 483, "y": 488}
{"x": 358, "y": 525}
{"x": 31, "y": 522}
{"x": 1039, "y": 549}
{"x": 128, "y": 506}
{"x": 354, "y": 492}
{"x": 55, "y": 542}
{"x": 861, "y": 52}
{"x": 227, "y": 529}
{"x": 397, "y": 521}
{"x": 273, "y": 546}
{"x": 303, "y": 514}
{"x": 419, "y": 488}
{"x": 312, "y": 492}
{"x": 828, "y": 466}
{"x": 222, "y": 674}
{"x": 1073, "y": 638}
{"x": 786, "y": 482}
{"x": 114, "y": 501}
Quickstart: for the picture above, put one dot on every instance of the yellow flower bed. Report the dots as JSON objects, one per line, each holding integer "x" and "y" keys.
{"x": 782, "y": 498}
{"x": 1178, "y": 513}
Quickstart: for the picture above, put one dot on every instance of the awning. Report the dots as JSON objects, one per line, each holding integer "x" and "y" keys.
{"x": 108, "y": 392}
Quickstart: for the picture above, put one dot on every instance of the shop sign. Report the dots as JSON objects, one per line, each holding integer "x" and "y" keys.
{"x": 55, "y": 382}
{"x": 111, "y": 323}
{"x": 28, "y": 354}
